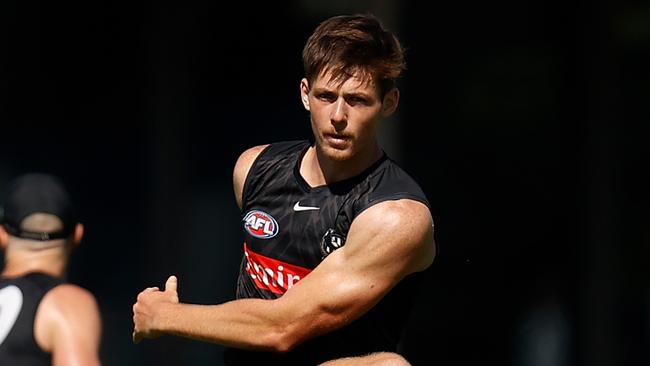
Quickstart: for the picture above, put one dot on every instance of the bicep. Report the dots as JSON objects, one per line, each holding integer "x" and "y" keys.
{"x": 384, "y": 245}
{"x": 242, "y": 167}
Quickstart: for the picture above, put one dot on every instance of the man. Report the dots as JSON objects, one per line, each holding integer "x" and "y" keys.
{"x": 334, "y": 230}
{"x": 43, "y": 319}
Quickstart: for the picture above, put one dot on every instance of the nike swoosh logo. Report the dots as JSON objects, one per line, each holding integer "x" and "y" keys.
{"x": 297, "y": 207}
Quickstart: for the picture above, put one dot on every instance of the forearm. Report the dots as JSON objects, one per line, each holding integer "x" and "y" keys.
{"x": 246, "y": 323}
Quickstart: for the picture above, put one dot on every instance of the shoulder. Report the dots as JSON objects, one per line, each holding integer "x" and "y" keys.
{"x": 405, "y": 226}
{"x": 242, "y": 167}
{"x": 401, "y": 215}
{"x": 263, "y": 157}
{"x": 66, "y": 309}
{"x": 69, "y": 302}
{"x": 68, "y": 295}
{"x": 373, "y": 359}
{"x": 270, "y": 152}
{"x": 247, "y": 158}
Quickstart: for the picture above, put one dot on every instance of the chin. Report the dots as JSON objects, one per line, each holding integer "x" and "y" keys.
{"x": 337, "y": 154}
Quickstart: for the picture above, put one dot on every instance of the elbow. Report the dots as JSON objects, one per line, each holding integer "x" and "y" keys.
{"x": 284, "y": 347}
{"x": 283, "y": 343}
{"x": 283, "y": 340}
{"x": 291, "y": 331}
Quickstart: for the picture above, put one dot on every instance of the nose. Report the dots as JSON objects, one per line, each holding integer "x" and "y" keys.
{"x": 339, "y": 112}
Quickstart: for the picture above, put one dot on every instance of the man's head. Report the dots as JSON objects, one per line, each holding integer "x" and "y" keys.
{"x": 351, "y": 64}
{"x": 37, "y": 209}
{"x": 343, "y": 46}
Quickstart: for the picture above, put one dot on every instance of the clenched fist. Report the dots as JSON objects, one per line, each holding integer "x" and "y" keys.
{"x": 147, "y": 306}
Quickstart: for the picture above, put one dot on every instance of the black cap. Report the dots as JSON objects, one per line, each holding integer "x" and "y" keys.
{"x": 37, "y": 193}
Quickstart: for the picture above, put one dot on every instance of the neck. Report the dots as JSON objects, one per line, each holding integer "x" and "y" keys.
{"x": 317, "y": 169}
{"x": 20, "y": 262}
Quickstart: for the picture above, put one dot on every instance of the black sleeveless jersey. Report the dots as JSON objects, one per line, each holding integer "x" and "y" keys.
{"x": 290, "y": 227}
{"x": 19, "y": 301}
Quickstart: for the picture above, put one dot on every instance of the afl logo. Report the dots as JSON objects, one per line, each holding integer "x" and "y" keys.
{"x": 261, "y": 225}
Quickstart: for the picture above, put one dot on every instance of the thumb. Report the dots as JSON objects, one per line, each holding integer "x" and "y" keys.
{"x": 172, "y": 284}
{"x": 136, "y": 337}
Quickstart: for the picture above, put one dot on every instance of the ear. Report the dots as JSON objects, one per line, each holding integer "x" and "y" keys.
{"x": 4, "y": 238}
{"x": 304, "y": 93}
{"x": 78, "y": 234}
{"x": 390, "y": 103}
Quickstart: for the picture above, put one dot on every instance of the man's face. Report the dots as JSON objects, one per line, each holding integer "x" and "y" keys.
{"x": 345, "y": 115}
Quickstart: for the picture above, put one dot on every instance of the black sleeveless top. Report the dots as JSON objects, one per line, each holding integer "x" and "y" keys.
{"x": 290, "y": 227}
{"x": 19, "y": 301}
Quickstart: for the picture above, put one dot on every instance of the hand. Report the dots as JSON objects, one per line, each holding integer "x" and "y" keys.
{"x": 148, "y": 303}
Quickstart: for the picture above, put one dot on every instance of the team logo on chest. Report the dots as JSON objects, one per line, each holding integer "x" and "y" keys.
{"x": 260, "y": 224}
{"x": 330, "y": 242}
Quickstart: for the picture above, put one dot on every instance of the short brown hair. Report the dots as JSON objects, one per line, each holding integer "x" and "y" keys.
{"x": 345, "y": 44}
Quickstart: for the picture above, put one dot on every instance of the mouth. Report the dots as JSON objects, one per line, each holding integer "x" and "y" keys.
{"x": 337, "y": 140}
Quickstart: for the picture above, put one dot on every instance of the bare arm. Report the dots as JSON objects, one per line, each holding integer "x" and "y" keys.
{"x": 68, "y": 325}
{"x": 385, "y": 243}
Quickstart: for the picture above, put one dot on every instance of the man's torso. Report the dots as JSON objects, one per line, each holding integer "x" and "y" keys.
{"x": 290, "y": 227}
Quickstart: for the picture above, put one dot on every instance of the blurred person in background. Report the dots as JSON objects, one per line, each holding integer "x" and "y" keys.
{"x": 43, "y": 319}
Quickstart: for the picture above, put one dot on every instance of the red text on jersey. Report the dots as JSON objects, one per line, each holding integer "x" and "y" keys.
{"x": 271, "y": 274}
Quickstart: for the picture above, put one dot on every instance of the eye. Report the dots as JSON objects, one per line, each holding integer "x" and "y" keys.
{"x": 327, "y": 97}
{"x": 354, "y": 100}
